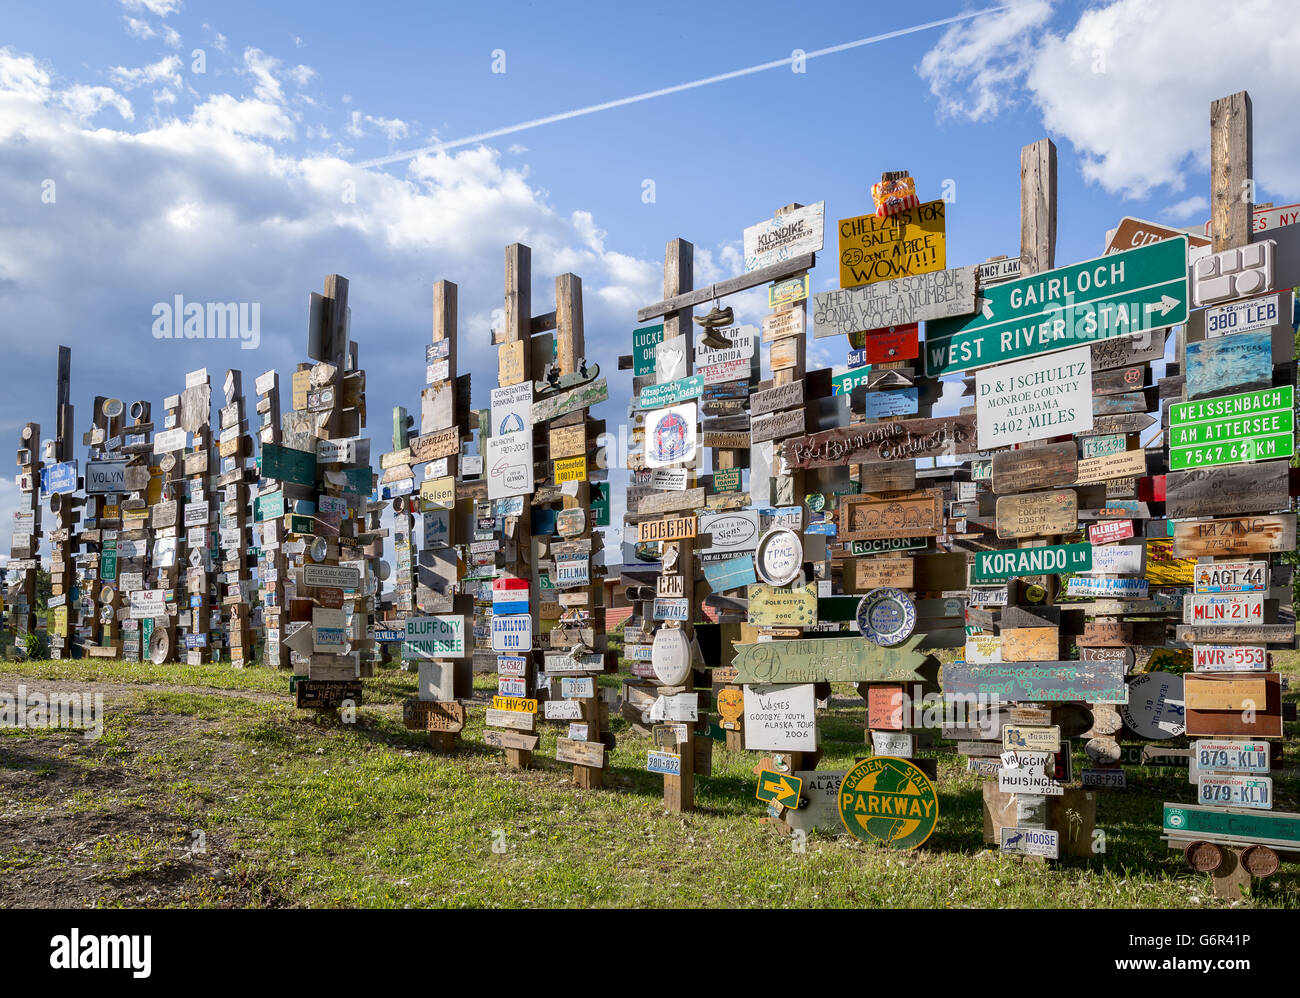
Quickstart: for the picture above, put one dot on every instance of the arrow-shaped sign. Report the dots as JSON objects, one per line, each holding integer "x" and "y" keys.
{"x": 778, "y": 788}
{"x": 835, "y": 660}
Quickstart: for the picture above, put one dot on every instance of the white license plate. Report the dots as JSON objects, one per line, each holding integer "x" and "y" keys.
{"x": 1236, "y": 791}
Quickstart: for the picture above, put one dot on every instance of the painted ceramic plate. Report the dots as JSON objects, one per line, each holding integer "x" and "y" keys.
{"x": 886, "y": 616}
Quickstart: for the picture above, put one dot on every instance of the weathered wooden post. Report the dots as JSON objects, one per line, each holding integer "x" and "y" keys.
{"x": 236, "y": 588}
{"x": 25, "y": 540}
{"x": 508, "y": 466}
{"x": 59, "y": 482}
{"x": 268, "y": 513}
{"x": 437, "y": 640}
{"x": 577, "y": 644}
{"x": 1237, "y": 358}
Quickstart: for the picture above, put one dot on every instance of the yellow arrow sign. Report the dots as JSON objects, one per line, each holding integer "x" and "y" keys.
{"x": 778, "y": 788}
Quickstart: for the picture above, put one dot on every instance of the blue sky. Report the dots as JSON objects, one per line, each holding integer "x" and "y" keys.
{"x": 228, "y": 185}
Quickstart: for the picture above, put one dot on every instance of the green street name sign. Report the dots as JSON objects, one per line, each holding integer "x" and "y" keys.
{"x": 1130, "y": 292}
{"x": 672, "y": 392}
{"x": 1051, "y": 559}
{"x": 1249, "y": 426}
{"x": 644, "y": 341}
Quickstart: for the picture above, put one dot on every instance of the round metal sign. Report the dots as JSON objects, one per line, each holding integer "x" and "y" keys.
{"x": 318, "y": 549}
{"x": 1203, "y": 857}
{"x": 112, "y": 407}
{"x": 886, "y": 616}
{"x": 159, "y": 645}
{"x": 779, "y": 557}
{"x": 670, "y": 656}
{"x": 1260, "y": 861}
{"x": 888, "y": 800}
{"x": 1155, "y": 706}
{"x": 385, "y": 570}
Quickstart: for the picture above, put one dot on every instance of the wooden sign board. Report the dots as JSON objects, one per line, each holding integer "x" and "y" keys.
{"x": 517, "y": 720}
{"x": 568, "y": 441}
{"x": 902, "y": 440}
{"x": 789, "y": 396}
{"x": 433, "y": 715}
{"x": 937, "y": 295}
{"x": 1239, "y": 535}
{"x": 914, "y": 514}
{"x": 1037, "y": 514}
{"x": 777, "y": 425}
{"x": 888, "y": 476}
{"x": 1126, "y": 464}
{"x": 872, "y": 573}
{"x": 1043, "y": 682}
{"x": 847, "y": 660}
{"x": 783, "y": 323}
{"x": 1235, "y": 489}
{"x": 1035, "y": 468}
{"x": 590, "y": 754}
{"x": 775, "y": 607}
{"x": 510, "y": 740}
{"x": 668, "y": 529}
{"x": 510, "y": 363}
{"x": 1030, "y": 644}
{"x": 1233, "y": 705}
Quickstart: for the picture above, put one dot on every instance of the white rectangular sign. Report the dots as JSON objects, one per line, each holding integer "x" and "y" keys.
{"x": 510, "y": 465}
{"x": 512, "y": 632}
{"x": 1034, "y": 399}
{"x": 781, "y": 718}
{"x": 775, "y": 240}
{"x": 512, "y": 409}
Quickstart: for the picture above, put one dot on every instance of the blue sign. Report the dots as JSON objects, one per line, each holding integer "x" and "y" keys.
{"x": 896, "y": 402}
{"x": 59, "y": 478}
{"x": 390, "y": 637}
{"x": 734, "y": 573}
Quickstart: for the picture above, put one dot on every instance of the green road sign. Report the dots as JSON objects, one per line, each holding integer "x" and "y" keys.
{"x": 288, "y": 465}
{"x": 843, "y": 384}
{"x": 888, "y": 800}
{"x": 1249, "y": 426}
{"x": 1185, "y": 821}
{"x": 778, "y": 788}
{"x": 1050, "y": 559}
{"x": 644, "y": 341}
{"x": 1130, "y": 292}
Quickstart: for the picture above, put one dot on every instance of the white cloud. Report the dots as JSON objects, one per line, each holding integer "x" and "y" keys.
{"x": 215, "y": 204}
{"x": 392, "y": 128}
{"x": 262, "y": 67}
{"x": 1129, "y": 83}
{"x": 164, "y": 71}
{"x": 159, "y": 8}
{"x": 1195, "y": 207}
{"x": 976, "y": 63}
{"x": 251, "y": 117}
{"x": 85, "y": 102}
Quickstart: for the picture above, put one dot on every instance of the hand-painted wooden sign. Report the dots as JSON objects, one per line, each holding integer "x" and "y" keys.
{"x": 667, "y": 529}
{"x": 788, "y": 292}
{"x": 780, "y": 718}
{"x": 1232, "y": 363}
{"x": 783, "y": 323}
{"x": 1224, "y": 491}
{"x": 923, "y": 298}
{"x": 897, "y": 441}
{"x": 1037, "y": 514}
{"x": 1041, "y": 467}
{"x": 734, "y": 573}
{"x": 1139, "y": 290}
{"x": 1034, "y": 399}
{"x": 835, "y": 660}
{"x": 876, "y": 248}
{"x": 785, "y": 236}
{"x": 782, "y": 607}
{"x": 1232, "y": 826}
{"x": 1048, "y": 682}
{"x": 1125, "y": 464}
{"x": 1239, "y": 535}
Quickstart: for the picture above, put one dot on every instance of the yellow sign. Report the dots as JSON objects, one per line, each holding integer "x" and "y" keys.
{"x": 773, "y": 607}
{"x": 153, "y": 494}
{"x": 439, "y": 493}
{"x": 1163, "y": 569}
{"x": 571, "y": 469}
{"x": 59, "y": 620}
{"x": 881, "y": 249}
{"x": 527, "y": 705}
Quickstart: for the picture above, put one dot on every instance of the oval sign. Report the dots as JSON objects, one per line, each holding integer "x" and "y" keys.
{"x": 112, "y": 407}
{"x": 670, "y": 656}
{"x": 886, "y": 616}
{"x": 779, "y": 557}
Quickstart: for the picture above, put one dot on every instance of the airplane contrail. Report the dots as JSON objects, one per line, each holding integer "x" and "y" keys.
{"x": 397, "y": 157}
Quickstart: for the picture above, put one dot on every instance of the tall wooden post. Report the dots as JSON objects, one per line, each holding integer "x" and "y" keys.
{"x": 514, "y": 366}
{"x": 679, "y": 277}
{"x": 1232, "y": 171}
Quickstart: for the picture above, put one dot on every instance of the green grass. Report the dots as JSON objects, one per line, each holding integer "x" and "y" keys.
{"x": 296, "y": 809}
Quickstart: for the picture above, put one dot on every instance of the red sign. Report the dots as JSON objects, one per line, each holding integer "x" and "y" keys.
{"x": 892, "y": 343}
{"x": 885, "y": 707}
{"x": 1110, "y": 530}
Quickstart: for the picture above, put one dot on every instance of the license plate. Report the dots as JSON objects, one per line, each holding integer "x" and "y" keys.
{"x": 1237, "y": 791}
{"x": 1239, "y": 757}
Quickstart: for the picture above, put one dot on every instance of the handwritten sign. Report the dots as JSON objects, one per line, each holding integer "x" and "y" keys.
{"x": 875, "y": 248}
{"x": 784, "y": 237}
{"x": 922, "y": 298}
{"x": 780, "y": 718}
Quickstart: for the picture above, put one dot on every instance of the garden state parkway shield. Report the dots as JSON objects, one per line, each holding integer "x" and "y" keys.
{"x": 888, "y": 800}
